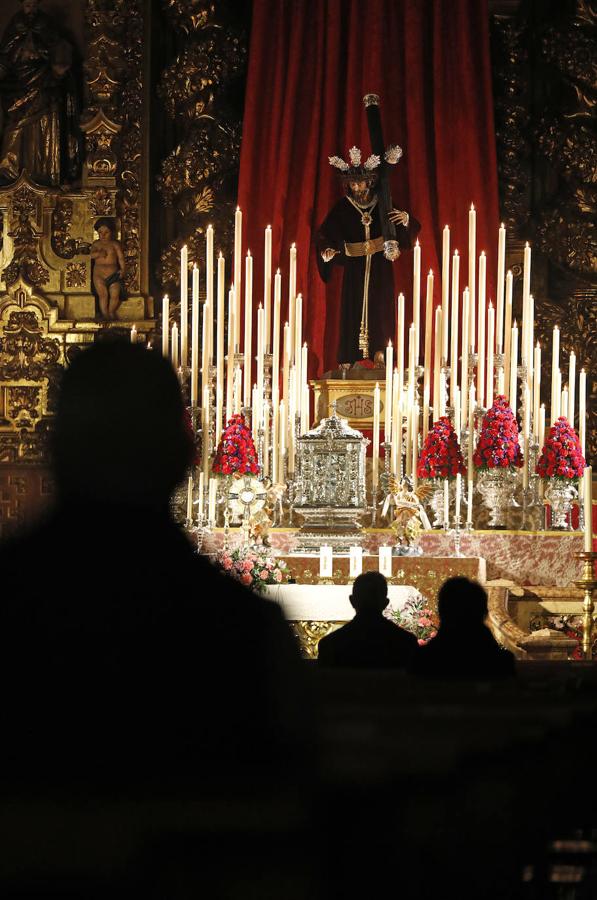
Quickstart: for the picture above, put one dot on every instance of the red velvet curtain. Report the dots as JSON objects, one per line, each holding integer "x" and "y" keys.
{"x": 310, "y": 64}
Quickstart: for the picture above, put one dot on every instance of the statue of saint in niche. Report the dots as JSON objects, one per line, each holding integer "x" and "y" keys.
{"x": 39, "y": 100}
{"x": 108, "y": 269}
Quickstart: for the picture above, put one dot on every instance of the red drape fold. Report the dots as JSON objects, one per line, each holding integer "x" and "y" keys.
{"x": 310, "y": 64}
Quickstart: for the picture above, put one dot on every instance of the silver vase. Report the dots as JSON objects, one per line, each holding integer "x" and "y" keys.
{"x": 497, "y": 487}
{"x": 560, "y": 493}
{"x": 436, "y": 503}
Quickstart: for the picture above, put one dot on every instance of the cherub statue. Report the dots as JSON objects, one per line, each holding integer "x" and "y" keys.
{"x": 108, "y": 270}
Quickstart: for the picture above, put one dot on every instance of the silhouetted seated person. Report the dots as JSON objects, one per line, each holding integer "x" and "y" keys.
{"x": 123, "y": 653}
{"x": 464, "y": 648}
{"x": 370, "y": 640}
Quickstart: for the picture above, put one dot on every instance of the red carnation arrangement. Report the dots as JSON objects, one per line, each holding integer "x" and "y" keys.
{"x": 562, "y": 455}
{"x": 441, "y": 456}
{"x": 498, "y": 446}
{"x": 236, "y": 453}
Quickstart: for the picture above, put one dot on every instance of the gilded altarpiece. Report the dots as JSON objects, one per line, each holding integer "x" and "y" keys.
{"x": 47, "y": 305}
{"x": 545, "y": 91}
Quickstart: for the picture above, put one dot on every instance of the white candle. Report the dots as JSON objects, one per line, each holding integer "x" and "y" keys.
{"x": 414, "y": 421}
{"x": 174, "y": 346}
{"x": 396, "y": 424}
{"x": 195, "y": 337}
{"x": 526, "y": 290}
{"x": 458, "y": 495}
{"x": 190, "y": 499}
{"x": 209, "y": 265}
{"x": 464, "y": 355}
{"x": 276, "y": 332}
{"x": 472, "y": 264}
{"x": 446, "y": 501}
{"x": 184, "y": 306}
{"x": 525, "y": 435}
{"x": 248, "y": 348}
{"x": 282, "y": 430}
{"x": 255, "y": 411}
{"x": 555, "y": 365}
{"x": 388, "y": 397}
{"x": 292, "y": 298}
{"x": 326, "y": 561}
{"x": 427, "y": 354}
{"x": 508, "y": 331}
{"x": 454, "y": 329}
{"x": 238, "y": 242}
{"x": 385, "y": 561}
{"x": 165, "y": 324}
{"x": 457, "y": 413}
{"x": 376, "y": 416}
{"x": 442, "y": 394}
{"x": 267, "y": 286}
{"x": 205, "y": 347}
{"x": 537, "y": 390}
{"x": 501, "y": 268}
{"x": 238, "y": 377}
{"x": 134, "y": 334}
{"x": 305, "y": 409}
{"x": 542, "y": 426}
{"x": 437, "y": 346}
{"x": 230, "y": 356}
{"x": 356, "y": 561}
{"x": 298, "y": 338}
{"x": 481, "y": 327}
{"x": 417, "y": 296}
{"x": 470, "y": 469}
{"x": 445, "y": 291}
{"x": 266, "y": 437}
{"x": 411, "y": 363}
{"x": 582, "y": 410}
{"x": 588, "y": 504}
{"x": 260, "y": 351}
{"x": 220, "y": 352}
{"x": 400, "y": 341}
{"x": 513, "y": 366}
{"x": 490, "y": 346}
{"x": 571, "y": 387}
{"x": 205, "y": 428}
{"x": 286, "y": 362}
{"x": 564, "y": 403}
{"x": 211, "y": 503}
{"x": 274, "y": 441}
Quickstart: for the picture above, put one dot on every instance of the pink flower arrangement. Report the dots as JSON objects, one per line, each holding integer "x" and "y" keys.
{"x": 561, "y": 456}
{"x": 498, "y": 447}
{"x": 441, "y": 456}
{"x": 252, "y": 567}
{"x": 417, "y": 617}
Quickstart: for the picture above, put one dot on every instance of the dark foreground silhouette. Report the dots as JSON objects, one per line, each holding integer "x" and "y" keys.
{"x": 369, "y": 640}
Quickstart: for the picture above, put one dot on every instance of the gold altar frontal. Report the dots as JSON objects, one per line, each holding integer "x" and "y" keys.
{"x": 353, "y": 398}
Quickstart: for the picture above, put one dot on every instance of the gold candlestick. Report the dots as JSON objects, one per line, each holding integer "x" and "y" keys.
{"x": 587, "y": 584}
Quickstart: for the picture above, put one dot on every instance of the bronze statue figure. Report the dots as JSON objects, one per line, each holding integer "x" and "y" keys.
{"x": 40, "y": 132}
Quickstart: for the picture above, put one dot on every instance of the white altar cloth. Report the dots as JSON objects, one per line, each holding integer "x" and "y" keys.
{"x": 326, "y": 602}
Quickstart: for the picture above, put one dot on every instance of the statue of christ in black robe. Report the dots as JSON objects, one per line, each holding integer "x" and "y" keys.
{"x": 351, "y": 237}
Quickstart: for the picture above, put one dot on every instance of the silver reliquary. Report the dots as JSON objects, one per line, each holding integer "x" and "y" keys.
{"x": 329, "y": 487}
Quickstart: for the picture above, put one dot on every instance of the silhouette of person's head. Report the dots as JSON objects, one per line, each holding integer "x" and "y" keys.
{"x": 461, "y": 604}
{"x": 119, "y": 433}
{"x": 369, "y": 592}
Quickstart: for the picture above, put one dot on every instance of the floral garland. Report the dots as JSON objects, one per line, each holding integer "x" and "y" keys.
{"x": 441, "y": 456}
{"x": 498, "y": 446}
{"x": 417, "y": 617}
{"x": 561, "y": 456}
{"x": 252, "y": 567}
{"x": 236, "y": 454}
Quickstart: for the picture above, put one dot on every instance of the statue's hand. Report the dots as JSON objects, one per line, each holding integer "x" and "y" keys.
{"x": 328, "y": 254}
{"x": 398, "y": 217}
